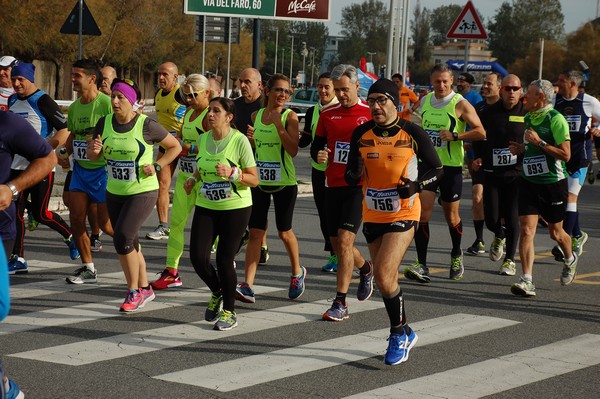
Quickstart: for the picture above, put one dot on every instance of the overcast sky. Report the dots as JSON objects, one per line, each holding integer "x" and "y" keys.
{"x": 576, "y": 12}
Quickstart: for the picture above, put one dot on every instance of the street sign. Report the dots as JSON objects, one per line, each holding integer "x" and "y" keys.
{"x": 467, "y": 25}
{"x": 216, "y": 29}
{"x": 71, "y": 25}
{"x": 315, "y": 10}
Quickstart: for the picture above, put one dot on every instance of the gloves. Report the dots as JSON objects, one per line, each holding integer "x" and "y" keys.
{"x": 409, "y": 188}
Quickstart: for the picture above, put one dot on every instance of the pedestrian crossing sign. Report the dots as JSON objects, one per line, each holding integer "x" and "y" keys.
{"x": 468, "y": 25}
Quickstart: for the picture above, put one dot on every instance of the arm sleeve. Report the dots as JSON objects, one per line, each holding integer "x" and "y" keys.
{"x": 320, "y": 140}
{"x": 355, "y": 165}
{"x": 154, "y": 132}
{"x": 246, "y": 155}
{"x": 413, "y": 97}
{"x": 431, "y": 166}
{"x": 306, "y": 136}
{"x": 99, "y": 128}
{"x": 50, "y": 110}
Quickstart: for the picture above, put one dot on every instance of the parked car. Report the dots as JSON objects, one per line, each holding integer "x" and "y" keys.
{"x": 303, "y": 99}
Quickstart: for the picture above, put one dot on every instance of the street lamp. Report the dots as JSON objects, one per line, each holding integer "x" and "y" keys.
{"x": 291, "y": 59}
{"x": 304, "y": 54}
{"x": 312, "y": 65}
{"x": 276, "y": 45}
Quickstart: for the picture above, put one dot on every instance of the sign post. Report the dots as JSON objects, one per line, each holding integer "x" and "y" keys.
{"x": 80, "y": 22}
{"x": 467, "y": 26}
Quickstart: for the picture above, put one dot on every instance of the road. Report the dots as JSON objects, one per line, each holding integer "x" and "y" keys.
{"x": 476, "y": 338}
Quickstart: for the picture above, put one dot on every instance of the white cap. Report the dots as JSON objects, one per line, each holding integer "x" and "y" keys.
{"x": 7, "y": 61}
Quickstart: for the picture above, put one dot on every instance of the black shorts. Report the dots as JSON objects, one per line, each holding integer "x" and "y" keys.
{"x": 67, "y": 181}
{"x": 285, "y": 201}
{"x": 597, "y": 142}
{"x": 548, "y": 200}
{"x": 450, "y": 184}
{"x": 343, "y": 209}
{"x": 477, "y": 176}
{"x": 373, "y": 231}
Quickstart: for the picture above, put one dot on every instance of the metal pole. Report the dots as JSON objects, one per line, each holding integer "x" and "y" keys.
{"x": 256, "y": 44}
{"x": 203, "y": 41}
{"x": 80, "y": 29}
{"x": 312, "y": 70}
{"x": 467, "y": 46}
{"x": 541, "y": 57}
{"x": 405, "y": 41}
{"x": 390, "y": 43}
{"x": 276, "y": 45}
{"x": 228, "y": 58}
{"x": 291, "y": 59}
{"x": 397, "y": 37}
{"x": 282, "y": 58}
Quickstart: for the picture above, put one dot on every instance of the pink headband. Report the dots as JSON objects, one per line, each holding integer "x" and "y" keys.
{"x": 127, "y": 91}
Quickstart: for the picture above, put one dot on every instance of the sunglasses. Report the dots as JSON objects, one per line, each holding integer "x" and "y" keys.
{"x": 193, "y": 95}
{"x": 280, "y": 90}
{"x": 512, "y": 88}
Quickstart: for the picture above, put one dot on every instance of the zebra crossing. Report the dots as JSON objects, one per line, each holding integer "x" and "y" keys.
{"x": 322, "y": 346}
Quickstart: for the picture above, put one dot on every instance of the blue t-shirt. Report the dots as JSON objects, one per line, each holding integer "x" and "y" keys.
{"x": 17, "y": 136}
{"x": 472, "y": 97}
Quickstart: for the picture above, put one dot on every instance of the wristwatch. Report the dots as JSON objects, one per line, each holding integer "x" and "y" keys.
{"x": 157, "y": 167}
{"x": 455, "y": 136}
{"x": 542, "y": 144}
{"x": 14, "y": 191}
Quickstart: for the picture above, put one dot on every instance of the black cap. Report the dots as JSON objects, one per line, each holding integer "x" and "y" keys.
{"x": 387, "y": 87}
{"x": 467, "y": 77}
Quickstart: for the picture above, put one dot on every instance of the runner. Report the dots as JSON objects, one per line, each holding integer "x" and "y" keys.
{"x": 343, "y": 202}
{"x": 326, "y": 98}
{"x": 226, "y": 170}
{"x": 196, "y": 89}
{"x": 275, "y": 138}
{"x": 445, "y": 115}
{"x": 385, "y": 151}
{"x": 132, "y": 186}
{"x": 543, "y": 188}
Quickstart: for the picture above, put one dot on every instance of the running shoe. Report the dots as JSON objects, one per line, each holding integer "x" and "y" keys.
{"x": 147, "y": 295}
{"x": 17, "y": 265}
{"x": 559, "y": 256}
{"x": 337, "y": 312}
{"x": 297, "y": 284}
{"x": 523, "y": 288}
{"x": 167, "y": 280}
{"x": 578, "y": 242}
{"x": 96, "y": 245}
{"x": 508, "y": 268}
{"x": 417, "y": 272}
{"x": 264, "y": 255}
{"x": 133, "y": 301}
{"x": 569, "y": 271}
{"x": 73, "y": 252}
{"x": 214, "y": 307}
{"x": 83, "y": 275}
{"x": 591, "y": 178}
{"x": 457, "y": 268}
{"x": 32, "y": 224}
{"x": 227, "y": 321}
{"x": 477, "y": 248}
{"x": 497, "y": 248}
{"x": 365, "y": 286}
{"x": 331, "y": 265}
{"x": 160, "y": 233}
{"x": 399, "y": 347}
{"x": 244, "y": 293}
{"x": 14, "y": 392}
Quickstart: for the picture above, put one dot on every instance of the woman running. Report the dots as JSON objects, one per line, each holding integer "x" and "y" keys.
{"x": 226, "y": 170}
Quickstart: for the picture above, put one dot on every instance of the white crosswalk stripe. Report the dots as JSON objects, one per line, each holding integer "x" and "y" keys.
{"x": 320, "y": 355}
{"x": 481, "y": 379}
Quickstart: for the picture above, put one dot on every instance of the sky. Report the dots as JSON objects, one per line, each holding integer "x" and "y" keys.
{"x": 576, "y": 12}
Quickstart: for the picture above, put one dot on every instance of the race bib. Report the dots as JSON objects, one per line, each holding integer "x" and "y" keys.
{"x": 217, "y": 191}
{"x": 121, "y": 170}
{"x": 80, "y": 150}
{"x": 534, "y": 166}
{"x": 503, "y": 157}
{"x": 383, "y": 200}
{"x": 187, "y": 164}
{"x": 340, "y": 155}
{"x": 434, "y": 136}
{"x": 574, "y": 122}
{"x": 400, "y": 107}
{"x": 268, "y": 171}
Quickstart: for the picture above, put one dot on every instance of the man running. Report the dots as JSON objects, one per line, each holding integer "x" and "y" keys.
{"x": 385, "y": 151}
{"x": 445, "y": 115}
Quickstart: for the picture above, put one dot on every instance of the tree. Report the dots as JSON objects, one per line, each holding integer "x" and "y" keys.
{"x": 442, "y": 19}
{"x": 514, "y": 28}
{"x": 584, "y": 44}
{"x": 365, "y": 27}
{"x": 420, "y": 63}
{"x": 555, "y": 58}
